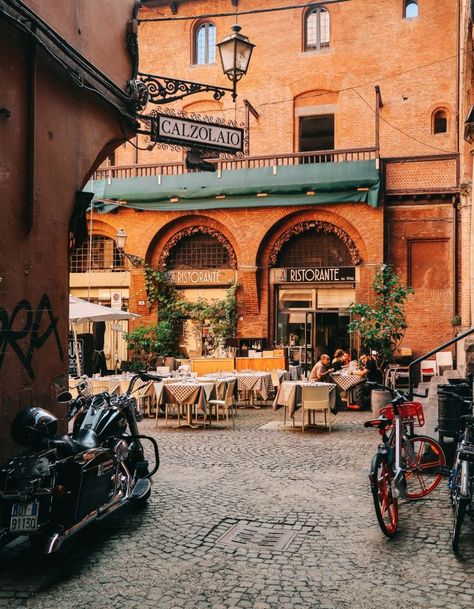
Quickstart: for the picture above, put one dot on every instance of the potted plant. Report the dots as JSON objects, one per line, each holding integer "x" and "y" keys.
{"x": 381, "y": 324}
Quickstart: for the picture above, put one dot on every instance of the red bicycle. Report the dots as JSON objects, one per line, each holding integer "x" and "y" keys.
{"x": 405, "y": 466}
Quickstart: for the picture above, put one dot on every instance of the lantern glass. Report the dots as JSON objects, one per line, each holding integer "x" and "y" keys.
{"x": 121, "y": 239}
{"x": 235, "y": 52}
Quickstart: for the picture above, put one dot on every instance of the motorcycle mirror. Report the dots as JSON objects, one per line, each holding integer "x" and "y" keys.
{"x": 64, "y": 397}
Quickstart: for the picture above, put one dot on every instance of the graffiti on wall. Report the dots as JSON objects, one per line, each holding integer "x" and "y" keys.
{"x": 26, "y": 330}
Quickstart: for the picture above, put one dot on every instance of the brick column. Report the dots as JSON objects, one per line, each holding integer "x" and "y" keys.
{"x": 252, "y": 323}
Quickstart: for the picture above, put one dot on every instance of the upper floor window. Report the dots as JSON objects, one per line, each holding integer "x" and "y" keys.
{"x": 199, "y": 251}
{"x": 316, "y": 29}
{"x": 317, "y": 133}
{"x": 440, "y": 121}
{"x": 98, "y": 254}
{"x": 411, "y": 9}
{"x": 205, "y": 44}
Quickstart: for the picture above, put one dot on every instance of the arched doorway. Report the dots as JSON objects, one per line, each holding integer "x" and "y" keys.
{"x": 313, "y": 273}
{"x": 201, "y": 263}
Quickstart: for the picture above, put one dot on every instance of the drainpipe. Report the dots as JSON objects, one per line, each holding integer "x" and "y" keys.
{"x": 471, "y": 235}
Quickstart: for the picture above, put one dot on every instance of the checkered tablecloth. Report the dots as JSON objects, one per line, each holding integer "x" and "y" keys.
{"x": 289, "y": 395}
{"x": 295, "y": 372}
{"x": 346, "y": 381}
{"x": 260, "y": 382}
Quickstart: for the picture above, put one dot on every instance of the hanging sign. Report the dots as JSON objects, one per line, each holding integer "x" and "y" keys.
{"x": 315, "y": 275}
{"x": 191, "y": 133}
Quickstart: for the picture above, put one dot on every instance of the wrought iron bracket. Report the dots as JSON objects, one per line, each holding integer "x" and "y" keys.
{"x": 164, "y": 90}
{"x": 135, "y": 260}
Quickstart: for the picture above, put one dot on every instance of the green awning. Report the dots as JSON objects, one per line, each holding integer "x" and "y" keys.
{"x": 344, "y": 182}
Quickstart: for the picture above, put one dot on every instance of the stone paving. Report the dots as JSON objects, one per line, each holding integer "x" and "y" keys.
{"x": 255, "y": 518}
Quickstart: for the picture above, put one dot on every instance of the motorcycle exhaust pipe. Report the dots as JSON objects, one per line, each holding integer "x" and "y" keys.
{"x": 57, "y": 539}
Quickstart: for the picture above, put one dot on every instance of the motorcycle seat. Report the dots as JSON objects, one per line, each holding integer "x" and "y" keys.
{"x": 83, "y": 439}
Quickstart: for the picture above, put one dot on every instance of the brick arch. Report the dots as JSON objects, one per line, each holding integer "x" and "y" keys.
{"x": 99, "y": 227}
{"x": 175, "y": 230}
{"x": 316, "y": 82}
{"x": 300, "y": 221}
{"x": 204, "y": 105}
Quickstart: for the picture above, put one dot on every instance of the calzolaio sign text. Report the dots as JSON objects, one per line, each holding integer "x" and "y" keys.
{"x": 200, "y": 134}
{"x": 315, "y": 275}
{"x": 206, "y": 277}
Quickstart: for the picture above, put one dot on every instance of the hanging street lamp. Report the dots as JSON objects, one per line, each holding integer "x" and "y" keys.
{"x": 120, "y": 241}
{"x": 235, "y": 52}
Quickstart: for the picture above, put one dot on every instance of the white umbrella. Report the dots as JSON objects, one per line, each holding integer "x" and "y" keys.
{"x": 82, "y": 311}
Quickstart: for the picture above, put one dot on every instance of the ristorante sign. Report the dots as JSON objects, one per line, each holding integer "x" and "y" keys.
{"x": 315, "y": 275}
{"x": 206, "y": 277}
{"x": 200, "y": 134}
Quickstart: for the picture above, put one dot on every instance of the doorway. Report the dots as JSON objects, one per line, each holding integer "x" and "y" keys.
{"x": 308, "y": 329}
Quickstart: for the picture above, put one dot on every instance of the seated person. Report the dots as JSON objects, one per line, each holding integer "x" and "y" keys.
{"x": 321, "y": 370}
{"x": 369, "y": 371}
{"x": 338, "y": 360}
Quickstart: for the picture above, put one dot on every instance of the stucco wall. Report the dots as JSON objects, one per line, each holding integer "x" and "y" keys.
{"x": 71, "y": 130}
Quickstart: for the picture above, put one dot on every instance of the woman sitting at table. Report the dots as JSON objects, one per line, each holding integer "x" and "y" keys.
{"x": 369, "y": 371}
{"x": 339, "y": 360}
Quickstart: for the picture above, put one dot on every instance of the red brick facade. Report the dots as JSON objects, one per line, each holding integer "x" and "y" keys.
{"x": 370, "y": 44}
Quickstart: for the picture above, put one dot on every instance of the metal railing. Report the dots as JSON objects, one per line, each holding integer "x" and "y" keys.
{"x": 430, "y": 353}
{"x": 249, "y": 162}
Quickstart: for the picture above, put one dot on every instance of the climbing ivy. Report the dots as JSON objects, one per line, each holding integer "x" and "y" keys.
{"x": 220, "y": 316}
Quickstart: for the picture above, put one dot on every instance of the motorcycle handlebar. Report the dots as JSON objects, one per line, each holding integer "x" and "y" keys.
{"x": 143, "y": 376}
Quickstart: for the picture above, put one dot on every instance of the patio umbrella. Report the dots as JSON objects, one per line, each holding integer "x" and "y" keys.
{"x": 82, "y": 311}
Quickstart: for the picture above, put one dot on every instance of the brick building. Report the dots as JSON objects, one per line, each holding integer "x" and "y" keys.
{"x": 354, "y": 159}
{"x": 54, "y": 132}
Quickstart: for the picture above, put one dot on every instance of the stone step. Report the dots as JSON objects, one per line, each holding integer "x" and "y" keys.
{"x": 451, "y": 374}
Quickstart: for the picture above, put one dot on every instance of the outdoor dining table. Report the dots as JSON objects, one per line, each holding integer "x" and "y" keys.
{"x": 345, "y": 381}
{"x": 295, "y": 371}
{"x": 255, "y": 382}
{"x": 189, "y": 393}
{"x": 290, "y": 393}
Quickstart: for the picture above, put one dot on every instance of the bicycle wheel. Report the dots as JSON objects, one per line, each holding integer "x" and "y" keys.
{"x": 386, "y": 505}
{"x": 423, "y": 461}
{"x": 459, "y": 509}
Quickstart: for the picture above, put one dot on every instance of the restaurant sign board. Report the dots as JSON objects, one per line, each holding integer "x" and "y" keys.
{"x": 315, "y": 275}
{"x": 191, "y": 133}
{"x": 204, "y": 277}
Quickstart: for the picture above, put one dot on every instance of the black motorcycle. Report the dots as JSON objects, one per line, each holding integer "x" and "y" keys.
{"x": 64, "y": 483}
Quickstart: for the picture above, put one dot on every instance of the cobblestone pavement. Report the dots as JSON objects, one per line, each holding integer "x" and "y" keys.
{"x": 255, "y": 518}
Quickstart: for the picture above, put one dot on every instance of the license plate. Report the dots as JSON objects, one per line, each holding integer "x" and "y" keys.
{"x": 24, "y": 518}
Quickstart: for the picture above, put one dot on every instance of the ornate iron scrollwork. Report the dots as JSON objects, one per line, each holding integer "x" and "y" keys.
{"x": 164, "y": 90}
{"x": 192, "y": 230}
{"x": 320, "y": 226}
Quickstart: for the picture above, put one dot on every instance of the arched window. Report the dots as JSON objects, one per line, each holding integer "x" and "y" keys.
{"x": 100, "y": 254}
{"x": 205, "y": 44}
{"x": 440, "y": 121}
{"x": 314, "y": 249}
{"x": 316, "y": 29}
{"x": 411, "y": 9}
{"x": 198, "y": 251}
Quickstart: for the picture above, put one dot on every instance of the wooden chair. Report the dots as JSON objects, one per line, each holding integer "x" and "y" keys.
{"x": 228, "y": 403}
{"x": 316, "y": 399}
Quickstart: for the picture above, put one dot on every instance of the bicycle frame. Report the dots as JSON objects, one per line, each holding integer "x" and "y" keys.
{"x": 406, "y": 465}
